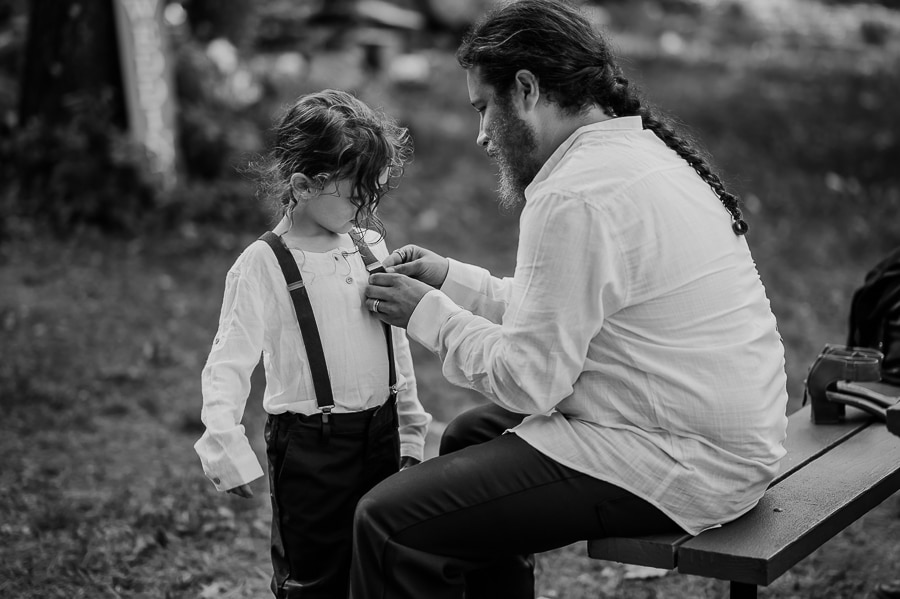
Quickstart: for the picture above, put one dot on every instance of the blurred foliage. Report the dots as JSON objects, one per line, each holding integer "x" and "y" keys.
{"x": 208, "y": 21}
{"x": 81, "y": 173}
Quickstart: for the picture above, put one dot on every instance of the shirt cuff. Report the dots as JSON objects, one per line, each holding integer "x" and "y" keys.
{"x": 414, "y": 449}
{"x": 464, "y": 282}
{"x": 228, "y": 471}
{"x": 429, "y": 317}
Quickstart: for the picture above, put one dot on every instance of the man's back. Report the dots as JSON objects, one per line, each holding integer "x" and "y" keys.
{"x": 685, "y": 369}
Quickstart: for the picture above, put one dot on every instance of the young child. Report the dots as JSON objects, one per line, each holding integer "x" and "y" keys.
{"x": 340, "y": 390}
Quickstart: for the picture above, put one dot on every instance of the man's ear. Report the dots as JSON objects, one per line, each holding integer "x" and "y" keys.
{"x": 301, "y": 187}
{"x": 526, "y": 89}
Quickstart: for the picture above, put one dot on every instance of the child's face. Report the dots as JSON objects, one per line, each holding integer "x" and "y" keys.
{"x": 333, "y": 208}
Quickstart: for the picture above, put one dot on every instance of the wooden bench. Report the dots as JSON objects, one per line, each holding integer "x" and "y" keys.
{"x": 831, "y": 476}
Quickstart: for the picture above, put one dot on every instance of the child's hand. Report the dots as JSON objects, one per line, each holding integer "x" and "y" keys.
{"x": 408, "y": 462}
{"x": 241, "y": 491}
{"x": 418, "y": 263}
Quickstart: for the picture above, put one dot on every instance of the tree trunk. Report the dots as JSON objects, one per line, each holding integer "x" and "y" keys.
{"x": 71, "y": 58}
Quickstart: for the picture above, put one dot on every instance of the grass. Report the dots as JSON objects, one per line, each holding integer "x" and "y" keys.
{"x": 101, "y": 494}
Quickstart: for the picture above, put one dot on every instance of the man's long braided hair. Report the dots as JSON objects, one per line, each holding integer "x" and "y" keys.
{"x": 576, "y": 69}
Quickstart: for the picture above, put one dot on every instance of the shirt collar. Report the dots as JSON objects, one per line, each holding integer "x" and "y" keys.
{"x": 624, "y": 123}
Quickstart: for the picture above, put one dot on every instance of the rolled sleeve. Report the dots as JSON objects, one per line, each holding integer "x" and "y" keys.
{"x": 474, "y": 289}
{"x": 426, "y": 320}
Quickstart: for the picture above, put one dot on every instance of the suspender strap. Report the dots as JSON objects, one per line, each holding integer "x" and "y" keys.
{"x": 373, "y": 266}
{"x": 307, "y": 321}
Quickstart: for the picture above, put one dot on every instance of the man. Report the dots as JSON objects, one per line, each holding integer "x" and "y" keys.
{"x": 633, "y": 354}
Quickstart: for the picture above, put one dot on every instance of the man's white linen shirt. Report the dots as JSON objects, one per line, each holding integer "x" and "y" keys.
{"x": 635, "y": 332}
{"x": 258, "y": 318}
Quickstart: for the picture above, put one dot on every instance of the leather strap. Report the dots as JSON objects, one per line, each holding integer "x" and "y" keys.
{"x": 306, "y": 319}
{"x": 838, "y": 363}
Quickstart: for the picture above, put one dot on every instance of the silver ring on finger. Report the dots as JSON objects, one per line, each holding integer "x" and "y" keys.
{"x": 375, "y": 305}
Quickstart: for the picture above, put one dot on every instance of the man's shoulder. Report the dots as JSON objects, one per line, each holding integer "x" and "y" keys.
{"x": 599, "y": 168}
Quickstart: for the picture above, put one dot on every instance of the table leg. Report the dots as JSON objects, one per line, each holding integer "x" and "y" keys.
{"x": 742, "y": 590}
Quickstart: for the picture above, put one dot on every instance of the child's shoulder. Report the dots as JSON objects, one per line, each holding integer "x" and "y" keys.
{"x": 256, "y": 256}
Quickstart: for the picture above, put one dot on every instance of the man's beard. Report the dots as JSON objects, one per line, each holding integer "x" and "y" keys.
{"x": 512, "y": 146}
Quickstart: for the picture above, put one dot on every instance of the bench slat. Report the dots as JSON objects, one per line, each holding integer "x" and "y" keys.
{"x": 657, "y": 551}
{"x": 893, "y": 419}
{"x": 814, "y": 503}
{"x": 804, "y": 442}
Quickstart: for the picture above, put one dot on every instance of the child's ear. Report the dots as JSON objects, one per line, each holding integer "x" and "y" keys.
{"x": 301, "y": 186}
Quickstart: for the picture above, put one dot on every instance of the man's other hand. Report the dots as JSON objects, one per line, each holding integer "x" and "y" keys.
{"x": 418, "y": 263}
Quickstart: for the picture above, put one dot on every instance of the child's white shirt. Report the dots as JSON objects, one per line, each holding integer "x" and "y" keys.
{"x": 258, "y": 317}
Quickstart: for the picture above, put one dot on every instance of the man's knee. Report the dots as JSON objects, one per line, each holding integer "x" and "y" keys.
{"x": 477, "y": 426}
{"x": 462, "y": 431}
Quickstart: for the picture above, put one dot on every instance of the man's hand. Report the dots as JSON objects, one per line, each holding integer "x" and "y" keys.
{"x": 393, "y": 297}
{"x": 418, "y": 263}
{"x": 241, "y": 491}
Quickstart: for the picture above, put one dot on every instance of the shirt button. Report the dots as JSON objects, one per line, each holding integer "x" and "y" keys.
{"x": 217, "y": 480}
{"x": 349, "y": 280}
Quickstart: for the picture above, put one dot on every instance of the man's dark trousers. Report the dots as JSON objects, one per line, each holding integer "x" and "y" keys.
{"x": 467, "y": 523}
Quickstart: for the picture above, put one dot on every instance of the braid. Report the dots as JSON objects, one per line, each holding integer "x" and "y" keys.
{"x": 624, "y": 102}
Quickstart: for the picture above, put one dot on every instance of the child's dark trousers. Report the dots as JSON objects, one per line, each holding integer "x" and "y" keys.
{"x": 317, "y": 473}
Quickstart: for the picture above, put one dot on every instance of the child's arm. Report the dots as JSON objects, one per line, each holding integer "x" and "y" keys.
{"x": 224, "y": 450}
{"x": 413, "y": 418}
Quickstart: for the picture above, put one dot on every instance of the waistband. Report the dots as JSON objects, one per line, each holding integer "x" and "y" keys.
{"x": 341, "y": 422}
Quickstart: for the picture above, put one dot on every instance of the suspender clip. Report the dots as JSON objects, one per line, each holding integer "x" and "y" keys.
{"x": 326, "y": 424}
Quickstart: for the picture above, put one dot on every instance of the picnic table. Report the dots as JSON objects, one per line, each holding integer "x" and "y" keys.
{"x": 832, "y": 475}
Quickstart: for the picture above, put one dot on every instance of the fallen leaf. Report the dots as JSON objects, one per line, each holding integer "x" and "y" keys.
{"x": 641, "y": 572}
{"x": 213, "y": 590}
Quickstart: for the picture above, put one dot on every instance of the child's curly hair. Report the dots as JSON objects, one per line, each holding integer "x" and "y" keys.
{"x": 330, "y": 135}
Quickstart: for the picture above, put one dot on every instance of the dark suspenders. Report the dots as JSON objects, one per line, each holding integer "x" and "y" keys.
{"x": 307, "y": 320}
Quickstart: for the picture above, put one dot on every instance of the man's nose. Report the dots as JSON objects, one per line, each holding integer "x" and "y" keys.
{"x": 482, "y": 139}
